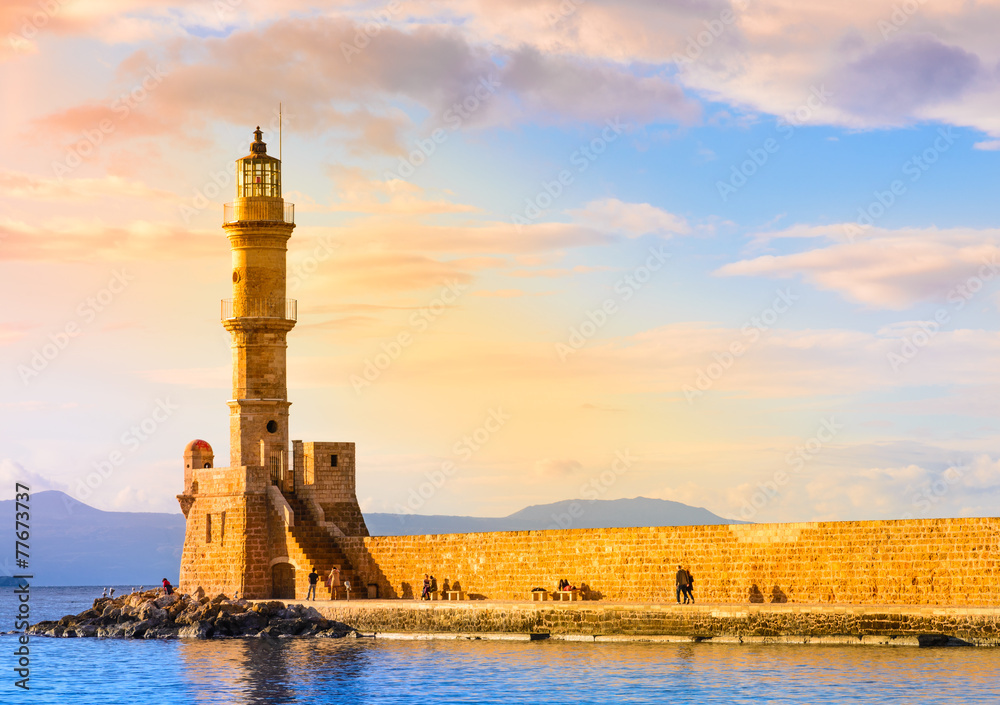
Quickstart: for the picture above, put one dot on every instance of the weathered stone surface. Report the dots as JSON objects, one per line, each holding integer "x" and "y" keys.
{"x": 167, "y": 600}
{"x": 925, "y": 626}
{"x": 946, "y": 562}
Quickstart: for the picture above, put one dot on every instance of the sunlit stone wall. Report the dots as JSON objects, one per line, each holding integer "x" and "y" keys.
{"x": 915, "y": 562}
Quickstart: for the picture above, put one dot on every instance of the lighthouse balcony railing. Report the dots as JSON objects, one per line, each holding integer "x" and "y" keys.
{"x": 286, "y": 309}
{"x": 259, "y": 211}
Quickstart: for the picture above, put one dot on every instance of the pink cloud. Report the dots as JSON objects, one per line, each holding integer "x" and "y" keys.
{"x": 892, "y": 269}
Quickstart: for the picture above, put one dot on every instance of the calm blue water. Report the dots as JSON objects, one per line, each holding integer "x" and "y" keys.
{"x": 380, "y": 671}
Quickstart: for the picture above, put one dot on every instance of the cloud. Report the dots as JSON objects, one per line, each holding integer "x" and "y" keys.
{"x": 79, "y": 240}
{"x": 27, "y": 186}
{"x": 300, "y": 61}
{"x": 839, "y": 484}
{"x": 895, "y": 79}
{"x": 357, "y": 193}
{"x": 630, "y": 219}
{"x": 12, "y": 332}
{"x": 557, "y": 468}
{"x": 892, "y": 269}
{"x": 12, "y": 472}
{"x": 564, "y": 87}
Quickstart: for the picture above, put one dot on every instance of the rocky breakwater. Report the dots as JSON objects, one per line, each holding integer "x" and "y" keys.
{"x": 151, "y": 615}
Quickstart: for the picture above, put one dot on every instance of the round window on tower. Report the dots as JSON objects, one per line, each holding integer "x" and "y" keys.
{"x": 236, "y": 276}
{"x": 272, "y": 426}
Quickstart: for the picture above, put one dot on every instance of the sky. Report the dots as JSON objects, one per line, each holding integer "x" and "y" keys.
{"x": 742, "y": 255}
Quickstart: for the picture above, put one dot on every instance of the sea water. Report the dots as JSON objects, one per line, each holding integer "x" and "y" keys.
{"x": 320, "y": 671}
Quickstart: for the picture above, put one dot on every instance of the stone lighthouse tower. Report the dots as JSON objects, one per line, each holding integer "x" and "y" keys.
{"x": 258, "y": 224}
{"x": 258, "y": 527}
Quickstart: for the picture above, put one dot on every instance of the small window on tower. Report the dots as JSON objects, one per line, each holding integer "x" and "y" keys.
{"x": 208, "y": 528}
{"x": 272, "y": 426}
{"x": 333, "y": 461}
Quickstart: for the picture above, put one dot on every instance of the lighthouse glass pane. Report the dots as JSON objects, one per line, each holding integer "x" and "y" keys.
{"x": 258, "y": 178}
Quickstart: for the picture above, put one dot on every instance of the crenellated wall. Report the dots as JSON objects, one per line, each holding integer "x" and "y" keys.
{"x": 914, "y": 562}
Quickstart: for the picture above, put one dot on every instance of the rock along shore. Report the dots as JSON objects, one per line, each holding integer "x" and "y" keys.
{"x": 152, "y": 615}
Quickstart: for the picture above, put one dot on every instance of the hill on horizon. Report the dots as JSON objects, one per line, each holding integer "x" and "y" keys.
{"x": 73, "y": 543}
{"x": 567, "y": 514}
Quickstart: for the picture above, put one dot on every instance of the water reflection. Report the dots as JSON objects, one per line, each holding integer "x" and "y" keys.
{"x": 258, "y": 671}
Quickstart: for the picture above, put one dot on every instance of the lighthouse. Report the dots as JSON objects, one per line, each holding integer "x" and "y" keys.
{"x": 283, "y": 507}
{"x": 258, "y": 316}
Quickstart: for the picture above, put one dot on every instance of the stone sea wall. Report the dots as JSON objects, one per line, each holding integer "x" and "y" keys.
{"x": 948, "y": 562}
{"x": 924, "y": 626}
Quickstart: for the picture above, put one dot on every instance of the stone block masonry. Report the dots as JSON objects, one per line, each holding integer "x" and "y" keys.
{"x": 947, "y": 562}
{"x": 782, "y": 623}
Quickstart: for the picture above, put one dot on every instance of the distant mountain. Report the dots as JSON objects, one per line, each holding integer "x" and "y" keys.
{"x": 72, "y": 543}
{"x": 568, "y": 514}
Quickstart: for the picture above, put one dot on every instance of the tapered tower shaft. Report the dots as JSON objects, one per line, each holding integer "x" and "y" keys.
{"x": 258, "y": 316}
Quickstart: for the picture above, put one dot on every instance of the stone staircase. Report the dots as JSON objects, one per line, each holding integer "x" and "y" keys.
{"x": 311, "y": 546}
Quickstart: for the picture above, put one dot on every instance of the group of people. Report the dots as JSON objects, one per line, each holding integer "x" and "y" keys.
{"x": 430, "y": 586}
{"x": 332, "y": 581}
{"x": 685, "y": 585}
{"x": 564, "y": 585}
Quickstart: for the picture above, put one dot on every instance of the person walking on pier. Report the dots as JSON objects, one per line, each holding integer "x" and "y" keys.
{"x": 689, "y": 590}
{"x": 313, "y": 578}
{"x": 683, "y": 584}
{"x": 333, "y": 581}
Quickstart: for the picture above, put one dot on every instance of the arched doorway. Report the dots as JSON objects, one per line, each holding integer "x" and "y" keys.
{"x": 283, "y": 581}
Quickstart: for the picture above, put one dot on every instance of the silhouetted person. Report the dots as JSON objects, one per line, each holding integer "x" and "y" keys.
{"x": 168, "y": 589}
{"x": 689, "y": 590}
{"x": 313, "y": 578}
{"x": 683, "y": 580}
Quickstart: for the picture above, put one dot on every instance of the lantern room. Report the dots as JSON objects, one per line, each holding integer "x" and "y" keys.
{"x": 257, "y": 174}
